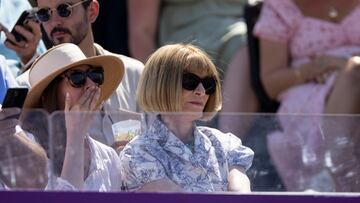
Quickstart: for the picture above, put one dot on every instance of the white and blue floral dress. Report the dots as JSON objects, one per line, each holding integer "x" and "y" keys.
{"x": 158, "y": 154}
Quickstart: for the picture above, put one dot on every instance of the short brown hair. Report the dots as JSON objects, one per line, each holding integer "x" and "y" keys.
{"x": 160, "y": 85}
{"x": 49, "y": 96}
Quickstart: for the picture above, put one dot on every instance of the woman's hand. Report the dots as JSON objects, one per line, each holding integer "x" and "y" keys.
{"x": 79, "y": 116}
{"x": 277, "y": 76}
{"x": 321, "y": 67}
{"x": 119, "y": 145}
{"x": 238, "y": 181}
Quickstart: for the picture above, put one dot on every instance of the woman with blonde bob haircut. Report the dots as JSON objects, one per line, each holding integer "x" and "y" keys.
{"x": 158, "y": 88}
{"x": 181, "y": 84}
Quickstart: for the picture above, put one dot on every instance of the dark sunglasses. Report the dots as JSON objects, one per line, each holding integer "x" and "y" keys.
{"x": 190, "y": 82}
{"x": 63, "y": 10}
{"x": 77, "y": 78}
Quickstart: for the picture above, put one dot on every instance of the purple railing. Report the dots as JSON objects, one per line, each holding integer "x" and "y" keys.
{"x": 86, "y": 197}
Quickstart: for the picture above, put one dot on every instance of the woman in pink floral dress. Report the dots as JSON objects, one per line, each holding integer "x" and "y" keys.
{"x": 307, "y": 65}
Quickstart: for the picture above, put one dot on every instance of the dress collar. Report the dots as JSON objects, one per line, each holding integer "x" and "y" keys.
{"x": 171, "y": 143}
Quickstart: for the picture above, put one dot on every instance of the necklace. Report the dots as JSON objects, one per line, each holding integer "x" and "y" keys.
{"x": 333, "y": 13}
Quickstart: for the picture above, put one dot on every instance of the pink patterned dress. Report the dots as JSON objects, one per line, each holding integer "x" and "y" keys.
{"x": 297, "y": 150}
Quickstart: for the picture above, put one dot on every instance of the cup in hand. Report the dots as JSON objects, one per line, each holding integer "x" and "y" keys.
{"x": 126, "y": 130}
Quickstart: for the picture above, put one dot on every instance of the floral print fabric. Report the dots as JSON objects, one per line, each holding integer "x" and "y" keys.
{"x": 158, "y": 154}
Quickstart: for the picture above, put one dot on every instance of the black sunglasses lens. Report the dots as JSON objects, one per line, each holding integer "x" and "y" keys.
{"x": 190, "y": 81}
{"x": 97, "y": 76}
{"x": 63, "y": 10}
{"x": 43, "y": 14}
{"x": 209, "y": 85}
{"x": 77, "y": 79}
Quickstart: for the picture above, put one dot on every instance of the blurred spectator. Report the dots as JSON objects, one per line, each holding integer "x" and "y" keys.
{"x": 305, "y": 46}
{"x": 76, "y": 28}
{"x": 215, "y": 26}
{"x": 18, "y": 154}
{"x": 18, "y": 54}
{"x": 23, "y": 163}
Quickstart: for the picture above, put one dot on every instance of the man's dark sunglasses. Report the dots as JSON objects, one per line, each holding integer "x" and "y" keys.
{"x": 63, "y": 10}
{"x": 77, "y": 78}
{"x": 190, "y": 82}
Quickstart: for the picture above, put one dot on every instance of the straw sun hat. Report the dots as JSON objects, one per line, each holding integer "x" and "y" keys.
{"x": 64, "y": 57}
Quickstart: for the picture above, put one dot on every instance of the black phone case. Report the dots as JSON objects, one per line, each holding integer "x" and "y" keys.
{"x": 21, "y": 22}
{"x": 15, "y": 97}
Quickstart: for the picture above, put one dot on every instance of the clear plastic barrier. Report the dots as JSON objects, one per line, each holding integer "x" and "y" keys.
{"x": 84, "y": 149}
{"x": 302, "y": 152}
{"x": 293, "y": 153}
{"x": 23, "y": 160}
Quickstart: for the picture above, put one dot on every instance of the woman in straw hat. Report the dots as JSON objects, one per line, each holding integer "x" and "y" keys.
{"x": 63, "y": 79}
{"x": 174, "y": 154}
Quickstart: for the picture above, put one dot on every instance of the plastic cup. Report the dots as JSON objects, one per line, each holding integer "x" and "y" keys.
{"x": 126, "y": 130}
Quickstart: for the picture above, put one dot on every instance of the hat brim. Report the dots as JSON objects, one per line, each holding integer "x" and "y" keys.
{"x": 113, "y": 74}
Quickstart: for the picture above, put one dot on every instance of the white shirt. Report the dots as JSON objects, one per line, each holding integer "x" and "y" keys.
{"x": 104, "y": 173}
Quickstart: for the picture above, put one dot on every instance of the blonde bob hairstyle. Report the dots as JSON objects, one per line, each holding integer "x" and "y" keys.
{"x": 160, "y": 85}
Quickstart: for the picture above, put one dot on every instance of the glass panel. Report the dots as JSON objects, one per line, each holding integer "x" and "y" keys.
{"x": 23, "y": 162}
{"x": 298, "y": 153}
{"x": 342, "y": 151}
{"x": 83, "y": 146}
{"x": 293, "y": 153}
{"x": 302, "y": 152}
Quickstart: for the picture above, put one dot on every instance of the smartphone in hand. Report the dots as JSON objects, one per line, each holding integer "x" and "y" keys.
{"x": 15, "y": 97}
{"x": 22, "y": 20}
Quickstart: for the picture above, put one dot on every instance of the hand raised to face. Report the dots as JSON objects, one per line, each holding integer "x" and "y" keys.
{"x": 81, "y": 113}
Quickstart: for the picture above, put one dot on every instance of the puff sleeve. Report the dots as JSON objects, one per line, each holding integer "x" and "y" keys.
{"x": 276, "y": 21}
{"x": 238, "y": 154}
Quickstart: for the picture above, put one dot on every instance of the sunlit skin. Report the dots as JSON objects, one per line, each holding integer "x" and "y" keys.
{"x": 194, "y": 101}
{"x": 193, "y": 104}
{"x": 77, "y": 99}
{"x": 72, "y": 29}
{"x": 74, "y": 93}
